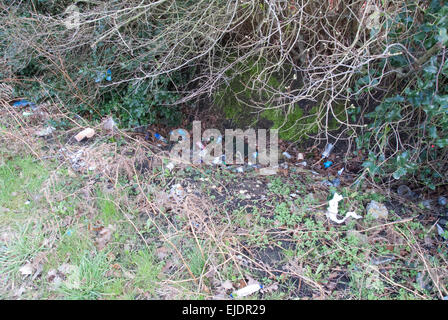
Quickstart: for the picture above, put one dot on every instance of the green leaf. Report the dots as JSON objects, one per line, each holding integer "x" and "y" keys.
{"x": 443, "y": 36}
{"x": 433, "y": 132}
{"x": 399, "y": 173}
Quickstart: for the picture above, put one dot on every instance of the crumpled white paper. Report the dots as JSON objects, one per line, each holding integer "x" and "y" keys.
{"x": 332, "y": 210}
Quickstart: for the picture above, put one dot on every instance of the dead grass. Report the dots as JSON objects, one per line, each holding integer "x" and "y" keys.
{"x": 129, "y": 229}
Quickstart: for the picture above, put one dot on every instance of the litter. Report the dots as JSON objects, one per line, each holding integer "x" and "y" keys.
{"x": 327, "y": 164}
{"x": 177, "y": 190}
{"x": 109, "y": 75}
{"x": 268, "y": 171}
{"x": 336, "y": 182}
{"x": 287, "y": 155}
{"x": 303, "y": 163}
{"x": 327, "y": 150}
{"x": 340, "y": 171}
{"x": 86, "y": 133}
{"x": 170, "y": 166}
{"x": 181, "y": 132}
{"x": 284, "y": 166}
{"x": 382, "y": 260}
{"x": 246, "y": 291}
{"x": 332, "y": 210}
{"x": 45, "y": 132}
{"x": 240, "y": 169}
{"x": 426, "y": 204}
{"x": 442, "y": 201}
{"x": 441, "y": 232}
{"x": 109, "y": 124}
{"x": 159, "y": 137}
{"x": 300, "y": 156}
{"x": 24, "y": 103}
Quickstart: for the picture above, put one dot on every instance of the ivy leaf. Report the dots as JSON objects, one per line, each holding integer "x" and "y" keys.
{"x": 433, "y": 132}
{"x": 443, "y": 36}
{"x": 399, "y": 173}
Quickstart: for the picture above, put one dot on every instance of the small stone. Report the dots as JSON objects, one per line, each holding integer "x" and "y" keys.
{"x": 426, "y": 204}
{"x": 404, "y": 191}
{"x": 377, "y": 210}
{"x": 109, "y": 124}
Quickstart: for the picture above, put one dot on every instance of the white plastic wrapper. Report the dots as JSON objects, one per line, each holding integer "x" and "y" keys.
{"x": 332, "y": 210}
{"x": 246, "y": 291}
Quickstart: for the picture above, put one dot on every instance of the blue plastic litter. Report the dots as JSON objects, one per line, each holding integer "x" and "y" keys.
{"x": 24, "y": 103}
{"x": 336, "y": 182}
{"x": 327, "y": 164}
{"x": 109, "y": 75}
{"x": 159, "y": 137}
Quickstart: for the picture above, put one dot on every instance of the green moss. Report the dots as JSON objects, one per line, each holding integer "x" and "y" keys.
{"x": 236, "y": 98}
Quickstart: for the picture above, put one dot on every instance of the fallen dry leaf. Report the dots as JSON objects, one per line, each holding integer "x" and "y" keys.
{"x": 105, "y": 234}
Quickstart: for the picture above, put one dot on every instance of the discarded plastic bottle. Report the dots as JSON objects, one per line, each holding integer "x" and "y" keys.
{"x": 287, "y": 155}
{"x": 340, "y": 171}
{"x": 248, "y": 290}
{"x": 159, "y": 137}
{"x": 327, "y": 164}
{"x": 24, "y": 103}
{"x": 442, "y": 201}
{"x": 327, "y": 150}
